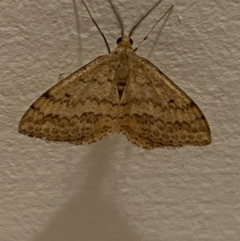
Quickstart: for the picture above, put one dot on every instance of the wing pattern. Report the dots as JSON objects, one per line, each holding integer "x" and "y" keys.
{"x": 155, "y": 112}
{"x": 119, "y": 92}
{"x": 81, "y": 108}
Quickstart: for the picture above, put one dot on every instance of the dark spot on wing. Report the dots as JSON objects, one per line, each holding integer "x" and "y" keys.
{"x": 67, "y": 95}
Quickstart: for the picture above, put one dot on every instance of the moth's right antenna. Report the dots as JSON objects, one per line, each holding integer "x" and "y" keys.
{"x": 149, "y": 11}
{"x": 154, "y": 27}
{"x": 103, "y": 36}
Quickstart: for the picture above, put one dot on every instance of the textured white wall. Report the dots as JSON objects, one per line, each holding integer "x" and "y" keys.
{"x": 112, "y": 190}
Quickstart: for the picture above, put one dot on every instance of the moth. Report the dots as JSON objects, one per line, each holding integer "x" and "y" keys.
{"x": 117, "y": 93}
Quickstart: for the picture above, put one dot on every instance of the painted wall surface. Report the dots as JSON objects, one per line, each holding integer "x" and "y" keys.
{"x": 113, "y": 190}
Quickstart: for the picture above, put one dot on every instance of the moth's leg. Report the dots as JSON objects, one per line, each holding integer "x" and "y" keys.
{"x": 63, "y": 76}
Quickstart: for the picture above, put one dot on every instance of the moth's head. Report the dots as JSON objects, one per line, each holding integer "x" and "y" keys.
{"x": 125, "y": 42}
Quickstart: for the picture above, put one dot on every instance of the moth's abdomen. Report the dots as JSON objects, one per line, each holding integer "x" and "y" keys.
{"x": 121, "y": 83}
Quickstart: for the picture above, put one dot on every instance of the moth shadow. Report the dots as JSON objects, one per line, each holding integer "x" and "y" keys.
{"x": 91, "y": 215}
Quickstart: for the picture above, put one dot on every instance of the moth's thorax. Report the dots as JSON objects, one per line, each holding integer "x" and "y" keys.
{"x": 125, "y": 43}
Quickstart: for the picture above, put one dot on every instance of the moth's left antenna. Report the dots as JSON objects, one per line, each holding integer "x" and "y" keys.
{"x": 118, "y": 17}
{"x": 103, "y": 36}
